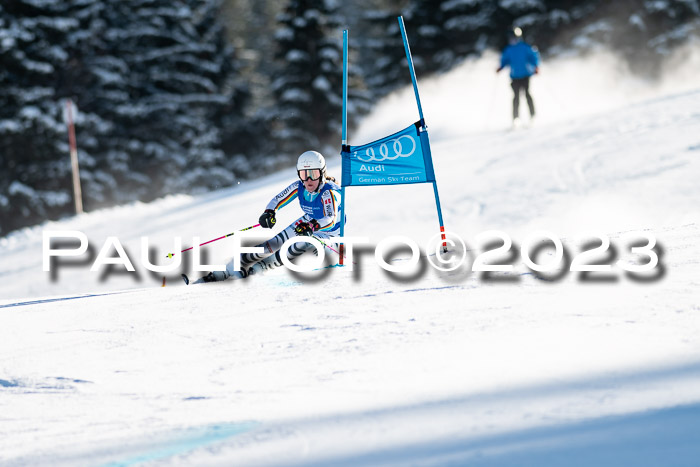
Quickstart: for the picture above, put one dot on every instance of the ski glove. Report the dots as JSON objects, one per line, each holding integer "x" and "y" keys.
{"x": 307, "y": 228}
{"x": 267, "y": 220}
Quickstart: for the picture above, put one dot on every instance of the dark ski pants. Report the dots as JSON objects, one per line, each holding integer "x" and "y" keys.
{"x": 518, "y": 85}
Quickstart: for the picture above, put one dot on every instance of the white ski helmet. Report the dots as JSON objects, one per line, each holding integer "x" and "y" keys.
{"x": 515, "y": 35}
{"x": 310, "y": 160}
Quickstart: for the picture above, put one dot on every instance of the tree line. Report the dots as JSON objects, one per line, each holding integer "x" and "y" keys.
{"x": 185, "y": 96}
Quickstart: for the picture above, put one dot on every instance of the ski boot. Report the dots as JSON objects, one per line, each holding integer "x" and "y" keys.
{"x": 213, "y": 276}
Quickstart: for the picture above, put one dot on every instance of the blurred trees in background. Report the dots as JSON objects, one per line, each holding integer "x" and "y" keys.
{"x": 191, "y": 95}
{"x": 154, "y": 81}
{"x": 307, "y": 78}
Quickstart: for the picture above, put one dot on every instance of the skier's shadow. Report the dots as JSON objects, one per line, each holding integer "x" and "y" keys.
{"x": 410, "y": 275}
{"x": 510, "y": 258}
{"x": 316, "y": 276}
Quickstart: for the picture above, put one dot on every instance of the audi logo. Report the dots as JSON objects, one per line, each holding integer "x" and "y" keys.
{"x": 396, "y": 145}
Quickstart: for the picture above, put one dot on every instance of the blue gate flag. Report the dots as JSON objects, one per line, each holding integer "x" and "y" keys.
{"x": 401, "y": 158}
{"x": 398, "y": 159}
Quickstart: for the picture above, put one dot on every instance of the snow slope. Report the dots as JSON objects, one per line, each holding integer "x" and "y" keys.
{"x": 341, "y": 367}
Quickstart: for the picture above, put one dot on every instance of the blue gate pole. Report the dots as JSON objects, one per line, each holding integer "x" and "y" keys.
{"x": 409, "y": 58}
{"x": 439, "y": 210}
{"x": 344, "y": 139}
{"x": 410, "y": 67}
{"x": 345, "y": 86}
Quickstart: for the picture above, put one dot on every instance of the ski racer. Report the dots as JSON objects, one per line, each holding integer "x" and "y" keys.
{"x": 318, "y": 196}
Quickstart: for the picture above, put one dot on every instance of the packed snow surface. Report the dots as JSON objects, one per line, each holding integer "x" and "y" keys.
{"x": 367, "y": 367}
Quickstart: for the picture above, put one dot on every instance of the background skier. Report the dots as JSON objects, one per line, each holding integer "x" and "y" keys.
{"x": 318, "y": 196}
{"x": 523, "y": 60}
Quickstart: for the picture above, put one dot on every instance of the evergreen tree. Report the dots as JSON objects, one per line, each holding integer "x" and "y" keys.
{"x": 382, "y": 55}
{"x": 162, "y": 99}
{"x": 442, "y": 33}
{"x": 469, "y": 27}
{"x": 162, "y": 73}
{"x": 307, "y": 84}
{"x": 550, "y": 24}
{"x": 643, "y": 32}
{"x": 249, "y": 25}
{"x": 35, "y": 172}
{"x": 154, "y": 81}
{"x": 425, "y": 27}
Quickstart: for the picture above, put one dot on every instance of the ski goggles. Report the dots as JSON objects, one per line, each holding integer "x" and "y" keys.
{"x": 313, "y": 174}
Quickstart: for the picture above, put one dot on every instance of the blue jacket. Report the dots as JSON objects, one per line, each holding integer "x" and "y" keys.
{"x": 321, "y": 205}
{"x": 522, "y": 59}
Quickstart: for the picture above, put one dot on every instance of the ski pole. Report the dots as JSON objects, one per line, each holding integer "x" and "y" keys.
{"x": 330, "y": 247}
{"x": 170, "y": 255}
